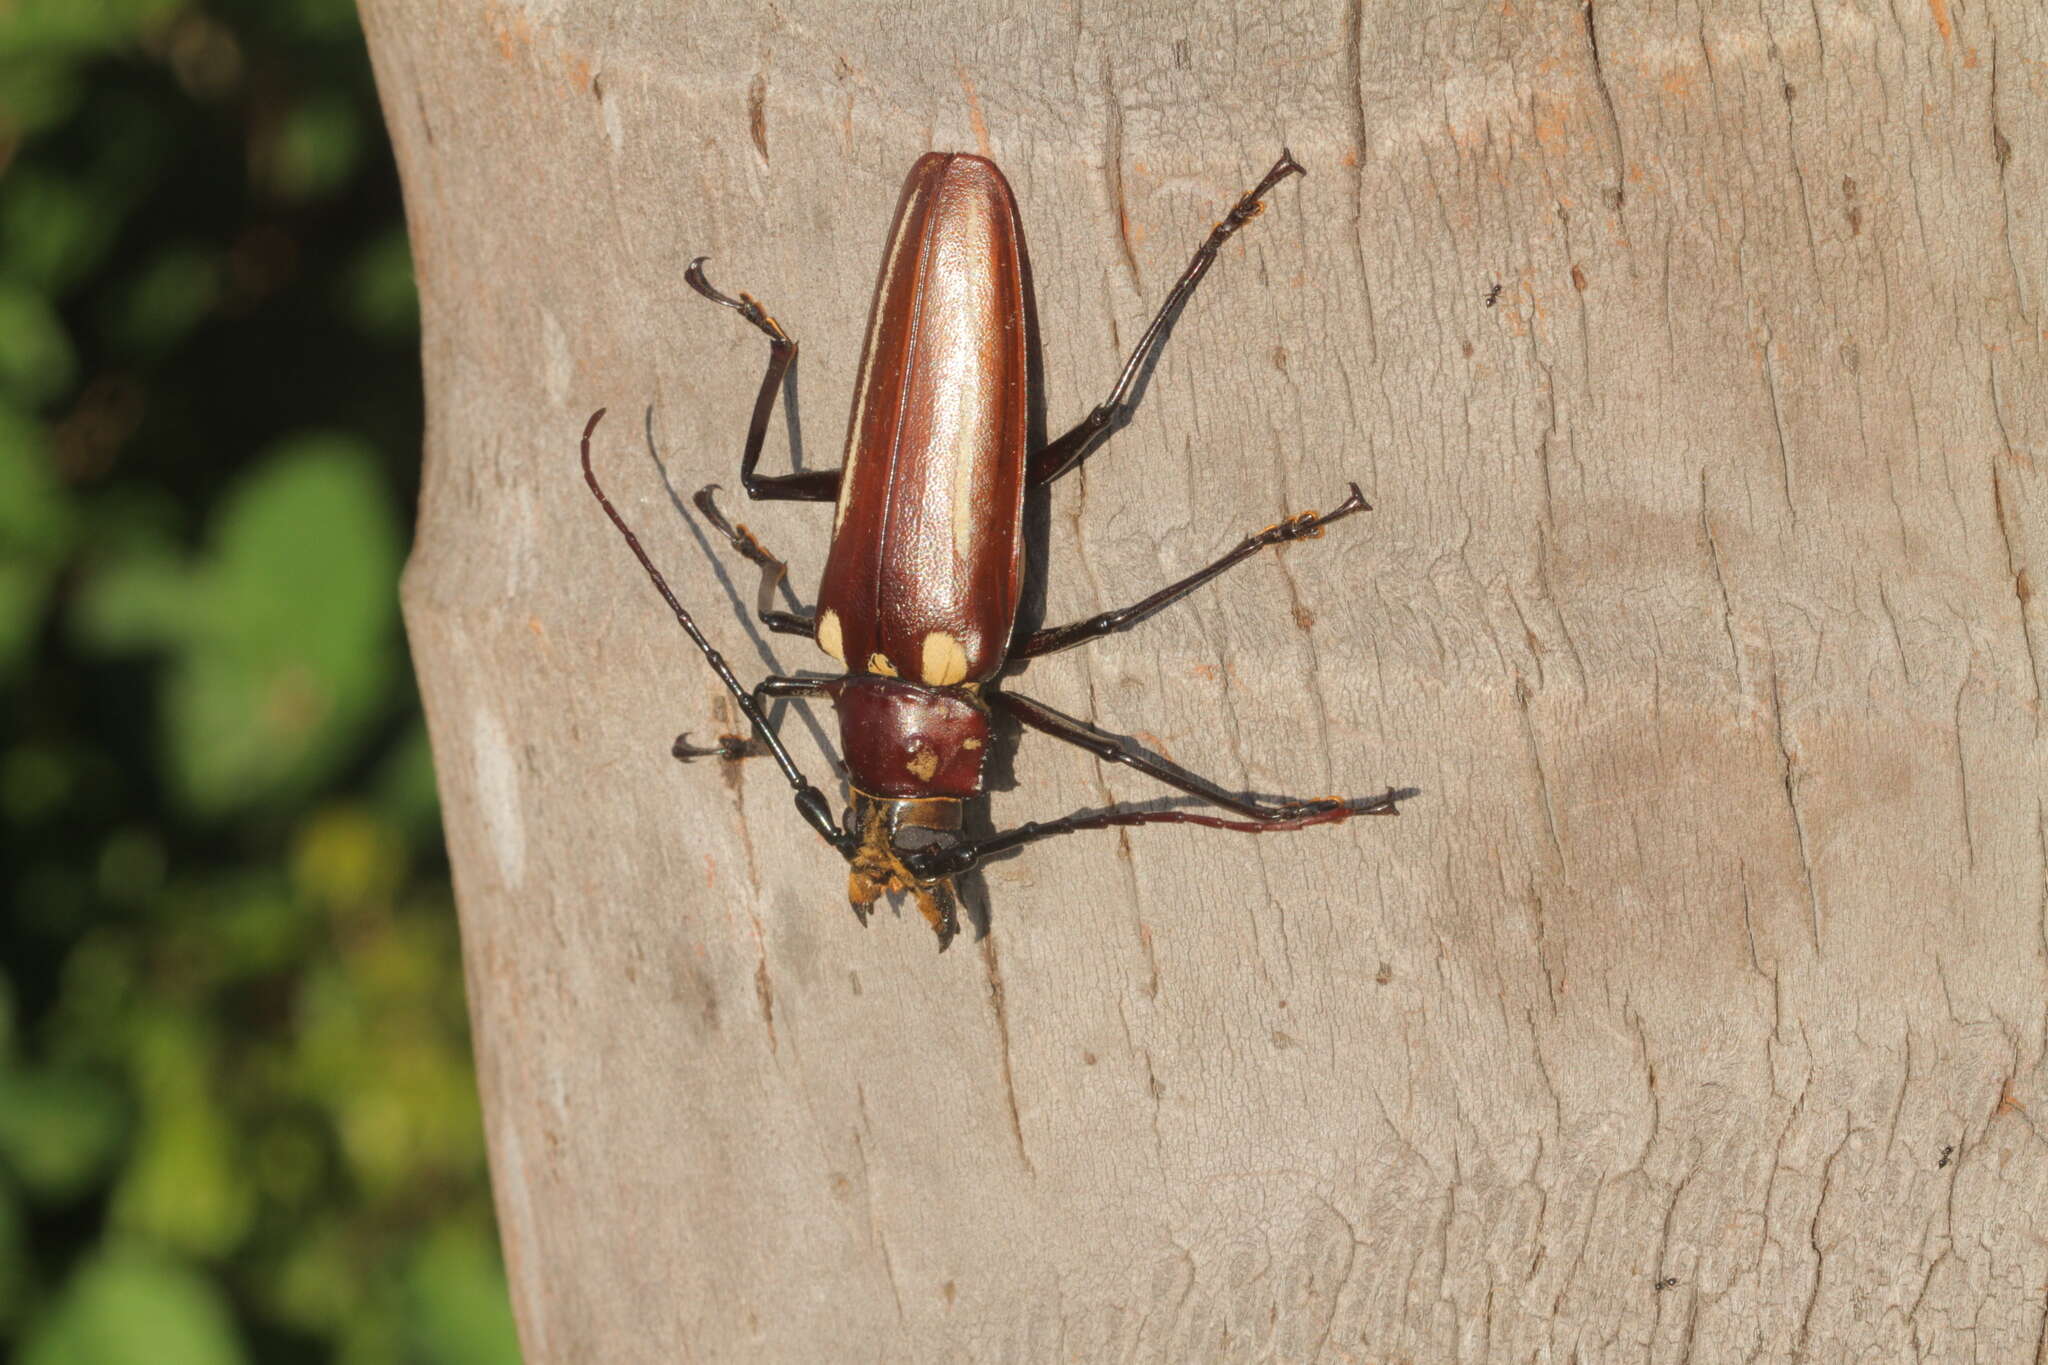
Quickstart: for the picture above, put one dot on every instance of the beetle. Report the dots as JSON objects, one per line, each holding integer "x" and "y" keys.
{"x": 923, "y": 576}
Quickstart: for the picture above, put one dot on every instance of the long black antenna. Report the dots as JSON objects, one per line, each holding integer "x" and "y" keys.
{"x": 810, "y": 802}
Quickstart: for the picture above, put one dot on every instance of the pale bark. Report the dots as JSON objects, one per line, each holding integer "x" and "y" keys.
{"x": 1694, "y": 1010}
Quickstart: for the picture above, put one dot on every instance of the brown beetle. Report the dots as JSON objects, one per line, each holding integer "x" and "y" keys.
{"x": 921, "y": 587}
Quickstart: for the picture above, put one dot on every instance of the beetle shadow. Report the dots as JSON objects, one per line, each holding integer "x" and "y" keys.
{"x": 741, "y": 605}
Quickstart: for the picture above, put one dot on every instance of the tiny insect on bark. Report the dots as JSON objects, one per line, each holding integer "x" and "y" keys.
{"x": 920, "y": 592}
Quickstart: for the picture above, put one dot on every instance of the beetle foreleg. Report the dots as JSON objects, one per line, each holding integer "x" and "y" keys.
{"x": 821, "y": 485}
{"x": 734, "y": 747}
{"x": 1304, "y": 526}
{"x": 1069, "y": 450}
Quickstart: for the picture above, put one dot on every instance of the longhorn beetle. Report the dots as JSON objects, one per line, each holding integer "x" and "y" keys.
{"x": 919, "y": 598}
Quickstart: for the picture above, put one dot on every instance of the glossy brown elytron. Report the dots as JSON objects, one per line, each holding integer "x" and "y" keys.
{"x": 920, "y": 594}
{"x": 923, "y": 575}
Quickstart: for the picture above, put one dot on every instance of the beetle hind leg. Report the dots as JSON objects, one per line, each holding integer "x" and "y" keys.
{"x": 1061, "y": 455}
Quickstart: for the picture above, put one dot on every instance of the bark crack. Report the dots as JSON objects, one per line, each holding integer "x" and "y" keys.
{"x": 1002, "y": 1016}
{"x": 1536, "y": 762}
{"x": 1789, "y": 774}
{"x": 1615, "y": 193}
{"x": 1720, "y": 582}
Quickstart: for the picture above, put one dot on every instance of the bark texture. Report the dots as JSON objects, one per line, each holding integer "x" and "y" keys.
{"x": 1693, "y": 1011}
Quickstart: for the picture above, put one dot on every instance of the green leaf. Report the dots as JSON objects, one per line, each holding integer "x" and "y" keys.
{"x": 288, "y": 657}
{"x": 405, "y": 787}
{"x": 132, "y": 1308}
{"x": 171, "y": 296}
{"x": 8, "y": 1028}
{"x": 141, "y": 597}
{"x": 35, "y": 531}
{"x": 33, "y": 94}
{"x": 52, "y": 230}
{"x": 16, "y": 1269}
{"x": 184, "y": 1186}
{"x": 317, "y": 149}
{"x": 59, "y": 1130}
{"x": 456, "y": 1301}
{"x": 36, "y": 362}
{"x": 379, "y": 291}
{"x": 346, "y": 858}
{"x": 46, "y": 28}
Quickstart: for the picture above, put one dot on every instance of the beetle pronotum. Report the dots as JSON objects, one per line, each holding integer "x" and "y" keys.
{"x": 920, "y": 592}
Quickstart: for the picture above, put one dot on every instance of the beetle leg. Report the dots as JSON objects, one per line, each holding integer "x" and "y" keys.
{"x": 817, "y": 485}
{"x": 1069, "y": 450}
{"x": 734, "y": 747}
{"x": 1114, "y": 749}
{"x": 952, "y": 860}
{"x": 773, "y": 571}
{"x": 1303, "y": 526}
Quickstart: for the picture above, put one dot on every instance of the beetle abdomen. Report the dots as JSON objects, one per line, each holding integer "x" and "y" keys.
{"x": 922, "y": 578}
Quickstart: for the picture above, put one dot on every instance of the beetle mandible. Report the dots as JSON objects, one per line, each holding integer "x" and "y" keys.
{"x": 920, "y": 592}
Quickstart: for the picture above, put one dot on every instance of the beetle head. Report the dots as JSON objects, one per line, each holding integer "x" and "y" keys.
{"x": 895, "y": 834}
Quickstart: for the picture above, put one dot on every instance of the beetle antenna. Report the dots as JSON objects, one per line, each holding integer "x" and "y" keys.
{"x": 809, "y": 800}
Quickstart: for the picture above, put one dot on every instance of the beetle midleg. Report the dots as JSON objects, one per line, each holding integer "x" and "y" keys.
{"x": 1069, "y": 450}
{"x": 774, "y": 573}
{"x": 816, "y": 485}
{"x": 1303, "y": 526}
{"x": 1114, "y": 749}
{"x": 771, "y": 688}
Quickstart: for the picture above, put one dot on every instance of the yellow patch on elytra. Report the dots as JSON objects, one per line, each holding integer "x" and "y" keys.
{"x": 970, "y": 744}
{"x": 922, "y": 763}
{"x": 945, "y": 659}
{"x": 829, "y": 637}
{"x": 878, "y": 662}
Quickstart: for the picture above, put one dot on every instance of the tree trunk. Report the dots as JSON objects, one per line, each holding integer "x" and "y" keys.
{"x": 1694, "y": 1009}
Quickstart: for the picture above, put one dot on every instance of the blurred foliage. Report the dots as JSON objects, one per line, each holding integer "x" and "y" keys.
{"x": 237, "y": 1117}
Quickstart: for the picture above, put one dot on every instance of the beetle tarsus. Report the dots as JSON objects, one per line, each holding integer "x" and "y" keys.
{"x": 745, "y": 305}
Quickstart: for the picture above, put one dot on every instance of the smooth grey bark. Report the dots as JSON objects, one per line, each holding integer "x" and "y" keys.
{"x": 1693, "y": 1011}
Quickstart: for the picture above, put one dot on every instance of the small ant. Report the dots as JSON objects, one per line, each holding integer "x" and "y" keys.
{"x": 1662, "y": 1285}
{"x": 1946, "y": 1153}
{"x": 1493, "y": 294}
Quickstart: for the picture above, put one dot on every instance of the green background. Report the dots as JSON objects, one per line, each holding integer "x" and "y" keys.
{"x": 237, "y": 1115}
